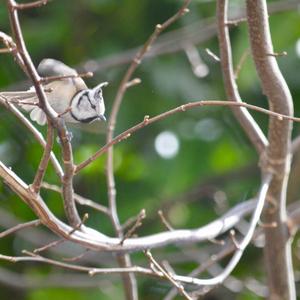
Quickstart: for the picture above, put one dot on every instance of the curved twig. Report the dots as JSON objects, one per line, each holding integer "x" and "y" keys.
{"x": 277, "y": 158}
{"x": 247, "y": 122}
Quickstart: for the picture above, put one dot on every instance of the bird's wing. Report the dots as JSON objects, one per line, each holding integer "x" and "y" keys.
{"x": 52, "y": 67}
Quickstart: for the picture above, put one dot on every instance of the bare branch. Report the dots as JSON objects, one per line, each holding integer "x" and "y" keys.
{"x": 164, "y": 220}
{"x": 129, "y": 281}
{"x": 19, "y": 227}
{"x": 6, "y": 50}
{"x": 246, "y": 240}
{"x": 141, "y": 216}
{"x": 212, "y": 55}
{"x": 38, "y": 136}
{"x": 62, "y": 77}
{"x": 36, "y": 185}
{"x": 168, "y": 276}
{"x": 92, "y": 271}
{"x": 277, "y": 158}
{"x": 133, "y": 82}
{"x": 182, "y": 108}
{"x": 79, "y": 199}
{"x": 241, "y": 63}
{"x": 60, "y": 241}
{"x": 27, "y": 64}
{"x": 12, "y": 47}
{"x": 249, "y": 125}
{"x": 275, "y": 164}
{"x": 91, "y": 239}
{"x": 204, "y": 266}
{"x": 277, "y": 54}
{"x": 77, "y": 257}
{"x": 235, "y": 22}
{"x": 30, "y": 5}
{"x": 175, "y": 41}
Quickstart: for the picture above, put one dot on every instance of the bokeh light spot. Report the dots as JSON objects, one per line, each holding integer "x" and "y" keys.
{"x": 208, "y": 129}
{"x": 167, "y": 144}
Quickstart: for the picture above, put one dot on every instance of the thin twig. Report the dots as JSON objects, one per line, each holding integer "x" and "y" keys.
{"x": 129, "y": 222}
{"x": 241, "y": 62}
{"x": 6, "y": 50}
{"x": 133, "y": 82}
{"x": 19, "y": 227}
{"x": 217, "y": 242}
{"x": 247, "y": 122}
{"x": 12, "y": 47}
{"x": 240, "y": 247}
{"x": 79, "y": 199}
{"x": 168, "y": 276}
{"x": 182, "y": 108}
{"x": 36, "y": 185}
{"x": 62, "y": 77}
{"x": 196, "y": 33}
{"x": 38, "y": 136}
{"x": 91, "y": 271}
{"x": 233, "y": 238}
{"x": 164, "y": 220}
{"x": 138, "y": 222}
{"x": 247, "y": 238}
{"x": 96, "y": 271}
{"x": 235, "y": 22}
{"x": 77, "y": 257}
{"x": 277, "y": 54}
{"x": 204, "y": 266}
{"x": 30, "y": 5}
{"x": 129, "y": 281}
{"x": 60, "y": 241}
{"x": 212, "y": 55}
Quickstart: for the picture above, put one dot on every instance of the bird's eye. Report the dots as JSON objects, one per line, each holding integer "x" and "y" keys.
{"x": 93, "y": 106}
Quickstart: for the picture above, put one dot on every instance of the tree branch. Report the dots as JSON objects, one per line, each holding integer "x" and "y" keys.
{"x": 129, "y": 280}
{"x": 92, "y": 239}
{"x": 247, "y": 122}
{"x": 36, "y": 185}
{"x": 277, "y": 158}
{"x": 182, "y": 108}
{"x": 30, "y": 5}
{"x": 37, "y": 135}
{"x": 176, "y": 40}
{"x": 58, "y": 123}
{"x": 79, "y": 199}
{"x": 19, "y": 227}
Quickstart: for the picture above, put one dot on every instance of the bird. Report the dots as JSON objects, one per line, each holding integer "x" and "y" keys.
{"x": 69, "y": 97}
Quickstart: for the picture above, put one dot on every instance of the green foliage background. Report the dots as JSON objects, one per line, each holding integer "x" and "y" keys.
{"x": 76, "y": 31}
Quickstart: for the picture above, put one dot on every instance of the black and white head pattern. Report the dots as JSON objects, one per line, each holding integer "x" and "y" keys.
{"x": 88, "y": 105}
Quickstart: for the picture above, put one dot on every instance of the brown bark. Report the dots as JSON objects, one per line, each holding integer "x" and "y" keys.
{"x": 277, "y": 158}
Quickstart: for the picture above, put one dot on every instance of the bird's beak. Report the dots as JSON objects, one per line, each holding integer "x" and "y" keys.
{"x": 102, "y": 118}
